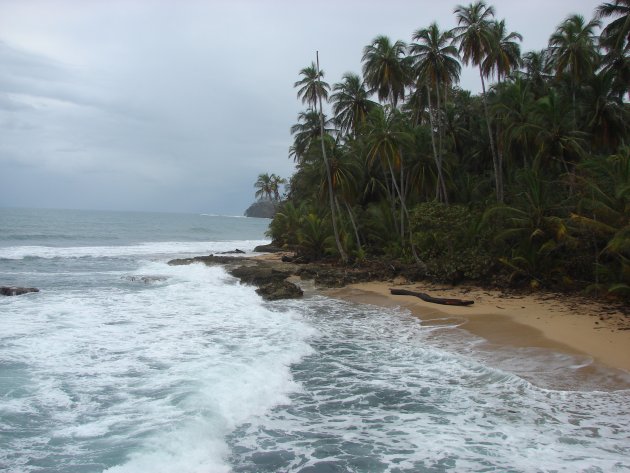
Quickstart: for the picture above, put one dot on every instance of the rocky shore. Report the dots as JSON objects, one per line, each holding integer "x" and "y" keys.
{"x": 272, "y": 276}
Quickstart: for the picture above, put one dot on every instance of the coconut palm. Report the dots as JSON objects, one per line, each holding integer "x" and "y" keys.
{"x": 263, "y": 184}
{"x": 385, "y": 69}
{"x": 616, "y": 35}
{"x": 615, "y": 39}
{"x": 275, "y": 183}
{"x": 505, "y": 55}
{"x": 306, "y": 132}
{"x": 351, "y": 103}
{"x": 476, "y": 38}
{"x": 436, "y": 64}
{"x": 387, "y": 138}
{"x": 536, "y": 68}
{"x": 312, "y": 90}
{"x": 574, "y": 53}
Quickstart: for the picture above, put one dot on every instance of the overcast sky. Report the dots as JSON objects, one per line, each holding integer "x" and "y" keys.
{"x": 179, "y": 105}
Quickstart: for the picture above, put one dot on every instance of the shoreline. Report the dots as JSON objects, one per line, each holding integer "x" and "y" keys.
{"x": 593, "y": 337}
{"x": 556, "y": 322}
{"x": 569, "y": 324}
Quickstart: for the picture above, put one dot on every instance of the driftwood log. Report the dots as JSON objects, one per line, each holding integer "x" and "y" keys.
{"x": 428, "y": 298}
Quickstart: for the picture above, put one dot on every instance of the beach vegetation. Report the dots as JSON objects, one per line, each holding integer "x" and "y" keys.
{"x": 524, "y": 183}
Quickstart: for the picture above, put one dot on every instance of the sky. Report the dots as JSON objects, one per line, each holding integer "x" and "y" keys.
{"x": 177, "y": 106}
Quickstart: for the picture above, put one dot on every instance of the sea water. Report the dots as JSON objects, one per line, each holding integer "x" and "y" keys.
{"x": 122, "y": 363}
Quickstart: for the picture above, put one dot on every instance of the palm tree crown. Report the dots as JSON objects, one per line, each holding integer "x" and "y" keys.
{"x": 505, "y": 53}
{"x": 311, "y": 86}
{"x": 351, "y": 103}
{"x": 573, "y": 48}
{"x": 435, "y": 58}
{"x": 617, "y": 32}
{"x": 474, "y": 31}
{"x": 385, "y": 69}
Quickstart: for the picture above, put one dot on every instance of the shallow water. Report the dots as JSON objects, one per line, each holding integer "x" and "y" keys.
{"x": 195, "y": 373}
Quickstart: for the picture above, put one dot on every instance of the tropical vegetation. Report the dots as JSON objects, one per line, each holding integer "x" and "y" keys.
{"x": 527, "y": 182}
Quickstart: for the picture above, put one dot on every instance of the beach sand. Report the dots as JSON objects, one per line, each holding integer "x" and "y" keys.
{"x": 561, "y": 323}
{"x": 596, "y": 334}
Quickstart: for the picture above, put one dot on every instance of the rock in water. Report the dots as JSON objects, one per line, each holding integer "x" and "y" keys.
{"x": 279, "y": 290}
{"x": 16, "y": 291}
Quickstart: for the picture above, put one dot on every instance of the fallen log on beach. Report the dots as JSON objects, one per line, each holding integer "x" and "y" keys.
{"x": 427, "y": 298}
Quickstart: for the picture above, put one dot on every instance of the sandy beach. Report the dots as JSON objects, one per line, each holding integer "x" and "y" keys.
{"x": 565, "y": 324}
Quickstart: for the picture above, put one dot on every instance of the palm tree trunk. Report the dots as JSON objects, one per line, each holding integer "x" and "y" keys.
{"x": 440, "y": 187}
{"x": 405, "y": 212}
{"x": 498, "y": 176}
{"x": 342, "y": 253}
{"x": 440, "y": 155}
{"x": 354, "y": 225}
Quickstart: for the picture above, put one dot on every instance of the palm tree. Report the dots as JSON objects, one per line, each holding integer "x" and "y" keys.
{"x": 263, "y": 184}
{"x": 505, "y": 56}
{"x": 617, "y": 32}
{"x": 386, "y": 140}
{"x": 436, "y": 64}
{"x": 306, "y": 132}
{"x": 351, "y": 104}
{"x": 385, "y": 69}
{"x": 475, "y": 37}
{"x": 536, "y": 68}
{"x": 615, "y": 39}
{"x": 311, "y": 90}
{"x": 275, "y": 183}
{"x": 574, "y": 53}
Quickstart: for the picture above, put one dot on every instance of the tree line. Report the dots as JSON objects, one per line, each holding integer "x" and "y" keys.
{"x": 527, "y": 182}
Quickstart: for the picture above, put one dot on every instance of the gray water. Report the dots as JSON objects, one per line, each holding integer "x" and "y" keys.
{"x": 193, "y": 372}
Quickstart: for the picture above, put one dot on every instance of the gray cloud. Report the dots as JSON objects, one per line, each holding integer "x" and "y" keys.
{"x": 156, "y": 105}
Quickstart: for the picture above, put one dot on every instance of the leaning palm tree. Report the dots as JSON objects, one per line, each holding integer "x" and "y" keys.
{"x": 312, "y": 90}
{"x": 436, "y": 65}
{"x": 351, "y": 103}
{"x": 385, "y": 69}
{"x": 475, "y": 37}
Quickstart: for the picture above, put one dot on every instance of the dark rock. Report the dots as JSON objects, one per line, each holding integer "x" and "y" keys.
{"x": 271, "y": 248}
{"x": 233, "y": 252}
{"x": 259, "y": 275}
{"x": 262, "y": 209}
{"x": 208, "y": 260}
{"x": 16, "y": 291}
{"x": 279, "y": 290}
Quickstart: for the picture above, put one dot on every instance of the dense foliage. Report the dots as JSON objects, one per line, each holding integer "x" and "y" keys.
{"x": 529, "y": 179}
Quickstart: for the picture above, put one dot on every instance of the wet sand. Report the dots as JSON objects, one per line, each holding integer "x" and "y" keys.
{"x": 555, "y": 322}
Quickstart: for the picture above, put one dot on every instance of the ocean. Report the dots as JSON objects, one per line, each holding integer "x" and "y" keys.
{"x": 122, "y": 363}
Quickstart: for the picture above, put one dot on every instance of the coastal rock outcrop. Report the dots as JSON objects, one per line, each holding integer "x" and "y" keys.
{"x": 16, "y": 291}
{"x": 209, "y": 260}
{"x": 261, "y": 209}
{"x": 271, "y": 248}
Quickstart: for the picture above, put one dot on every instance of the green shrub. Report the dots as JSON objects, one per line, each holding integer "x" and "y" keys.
{"x": 451, "y": 241}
